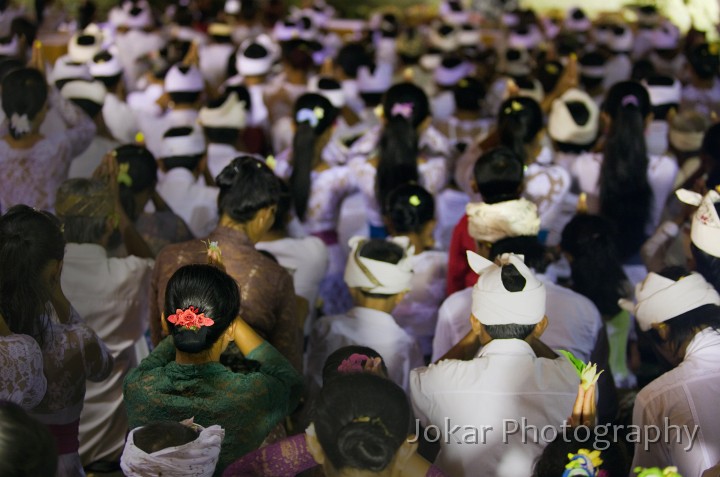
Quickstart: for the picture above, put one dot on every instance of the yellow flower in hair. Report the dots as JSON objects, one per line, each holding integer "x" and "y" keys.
{"x": 593, "y": 455}
{"x": 124, "y": 174}
{"x": 140, "y": 138}
{"x": 271, "y": 162}
{"x": 414, "y": 200}
{"x": 319, "y": 112}
{"x": 713, "y": 49}
{"x": 513, "y": 107}
{"x": 551, "y": 68}
{"x": 463, "y": 83}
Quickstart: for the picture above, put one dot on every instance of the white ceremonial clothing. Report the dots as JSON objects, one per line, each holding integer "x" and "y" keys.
{"x": 661, "y": 176}
{"x": 364, "y": 327}
{"x": 85, "y": 164}
{"x": 443, "y": 106}
{"x": 684, "y": 397}
{"x": 120, "y": 119}
{"x": 219, "y": 156}
{"x": 21, "y": 380}
{"x": 574, "y": 323}
{"x": 547, "y": 186}
{"x": 703, "y": 101}
{"x": 417, "y": 312}
{"x": 191, "y": 200}
{"x": 306, "y": 259}
{"x": 111, "y": 294}
{"x": 214, "y": 62}
{"x": 617, "y": 69}
{"x": 506, "y": 381}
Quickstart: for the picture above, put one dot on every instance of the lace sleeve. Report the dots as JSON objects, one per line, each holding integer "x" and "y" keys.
{"x": 284, "y": 387}
{"x": 81, "y": 128}
{"x": 21, "y": 371}
{"x": 285, "y": 458}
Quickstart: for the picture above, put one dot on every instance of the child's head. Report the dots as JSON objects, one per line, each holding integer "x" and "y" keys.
{"x": 172, "y": 448}
{"x": 410, "y": 211}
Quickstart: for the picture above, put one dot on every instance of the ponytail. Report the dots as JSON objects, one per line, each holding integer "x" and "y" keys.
{"x": 626, "y": 198}
{"x": 313, "y": 114}
{"x": 519, "y": 122}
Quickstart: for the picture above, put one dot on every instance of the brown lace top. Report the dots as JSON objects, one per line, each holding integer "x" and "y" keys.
{"x": 267, "y": 295}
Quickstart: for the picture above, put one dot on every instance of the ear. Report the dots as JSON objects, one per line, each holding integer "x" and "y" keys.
{"x": 473, "y": 185}
{"x": 662, "y": 330}
{"x": 314, "y": 446}
{"x": 163, "y": 321}
{"x": 540, "y": 327}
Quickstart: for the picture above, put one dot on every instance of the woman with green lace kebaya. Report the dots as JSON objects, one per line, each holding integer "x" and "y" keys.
{"x": 183, "y": 378}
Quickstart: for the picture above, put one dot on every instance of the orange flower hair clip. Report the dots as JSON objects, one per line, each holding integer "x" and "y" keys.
{"x": 190, "y": 319}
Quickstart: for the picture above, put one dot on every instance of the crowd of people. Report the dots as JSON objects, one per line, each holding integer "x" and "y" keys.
{"x": 243, "y": 238}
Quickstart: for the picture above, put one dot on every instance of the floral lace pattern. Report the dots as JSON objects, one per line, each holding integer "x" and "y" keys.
{"x": 21, "y": 371}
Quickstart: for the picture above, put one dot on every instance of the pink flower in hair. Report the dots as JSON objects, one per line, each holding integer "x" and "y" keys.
{"x": 190, "y": 319}
{"x": 354, "y": 364}
{"x": 402, "y": 109}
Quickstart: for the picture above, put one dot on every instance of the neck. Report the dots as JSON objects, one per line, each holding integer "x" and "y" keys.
{"x": 467, "y": 115}
{"x": 273, "y": 235}
{"x": 210, "y": 356}
{"x": 254, "y": 80}
{"x": 226, "y": 221}
{"x": 386, "y": 305}
{"x": 415, "y": 241}
{"x": 294, "y": 76}
{"x": 349, "y": 116}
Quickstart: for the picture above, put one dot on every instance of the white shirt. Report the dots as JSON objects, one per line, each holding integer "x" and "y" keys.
{"x": 191, "y": 200}
{"x": 214, "y": 62}
{"x": 111, "y": 294}
{"x": 120, "y": 119}
{"x": 364, "y": 327}
{"x": 505, "y": 382}
{"x": 547, "y": 186}
{"x": 154, "y": 127}
{"x": 220, "y": 156}
{"x": 574, "y": 322}
{"x": 306, "y": 259}
{"x": 85, "y": 164}
{"x": 685, "y": 397}
{"x": 661, "y": 177}
{"x": 617, "y": 69}
{"x": 417, "y": 312}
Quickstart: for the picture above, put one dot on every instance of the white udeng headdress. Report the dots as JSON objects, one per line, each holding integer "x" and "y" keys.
{"x": 230, "y": 114}
{"x": 705, "y": 232}
{"x": 660, "y": 299}
{"x": 374, "y": 276}
{"x": 492, "y": 222}
{"x": 493, "y": 304}
{"x": 194, "y": 459}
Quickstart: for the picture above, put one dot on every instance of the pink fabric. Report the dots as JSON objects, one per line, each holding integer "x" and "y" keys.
{"x": 66, "y": 437}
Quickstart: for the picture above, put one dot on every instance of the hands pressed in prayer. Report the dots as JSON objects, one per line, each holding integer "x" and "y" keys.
{"x": 37, "y": 59}
{"x": 4, "y": 330}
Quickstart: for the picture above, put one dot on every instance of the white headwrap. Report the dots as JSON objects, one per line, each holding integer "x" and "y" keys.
{"x": 11, "y": 48}
{"x": 336, "y": 96}
{"x": 621, "y": 43}
{"x": 493, "y": 304}
{"x": 178, "y": 81}
{"x": 230, "y": 114}
{"x": 663, "y": 94}
{"x": 84, "y": 53}
{"x": 378, "y": 81}
{"x": 660, "y": 299}
{"x": 561, "y": 125}
{"x": 194, "y": 459}
{"x": 65, "y": 68}
{"x": 577, "y": 25}
{"x": 450, "y": 76}
{"x": 374, "y": 276}
{"x": 666, "y": 36}
{"x": 492, "y": 222}
{"x": 191, "y": 145}
{"x": 111, "y": 67}
{"x": 80, "y": 89}
{"x": 705, "y": 232}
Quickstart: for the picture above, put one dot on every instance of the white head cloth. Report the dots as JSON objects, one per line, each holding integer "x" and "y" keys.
{"x": 666, "y": 36}
{"x": 705, "y": 232}
{"x": 374, "y": 276}
{"x": 468, "y": 36}
{"x": 142, "y": 19}
{"x": 623, "y": 42}
{"x": 687, "y": 131}
{"x": 230, "y": 114}
{"x": 191, "y": 145}
{"x": 65, "y": 68}
{"x": 577, "y": 25}
{"x": 11, "y": 48}
{"x": 253, "y": 66}
{"x": 80, "y": 89}
{"x": 493, "y": 304}
{"x": 194, "y": 459}
{"x": 664, "y": 94}
{"x": 335, "y": 96}
{"x": 492, "y": 222}
{"x": 84, "y": 53}
{"x": 446, "y": 43}
{"x": 178, "y": 81}
{"x": 561, "y": 125}
{"x": 660, "y": 299}
{"x": 450, "y": 76}
{"x": 111, "y": 67}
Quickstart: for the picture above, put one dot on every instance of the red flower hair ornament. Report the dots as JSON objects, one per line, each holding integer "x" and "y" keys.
{"x": 190, "y": 319}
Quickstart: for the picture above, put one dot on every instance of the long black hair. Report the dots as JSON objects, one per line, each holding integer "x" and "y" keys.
{"x": 313, "y": 115}
{"x": 209, "y": 290}
{"x": 405, "y": 107}
{"x": 626, "y": 198}
{"x": 596, "y": 268}
{"x": 361, "y": 420}
{"x": 26, "y": 446}
{"x": 519, "y": 122}
{"x": 247, "y": 185}
{"x": 139, "y": 174}
{"x": 29, "y": 240}
{"x": 24, "y": 93}
{"x": 409, "y": 207}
